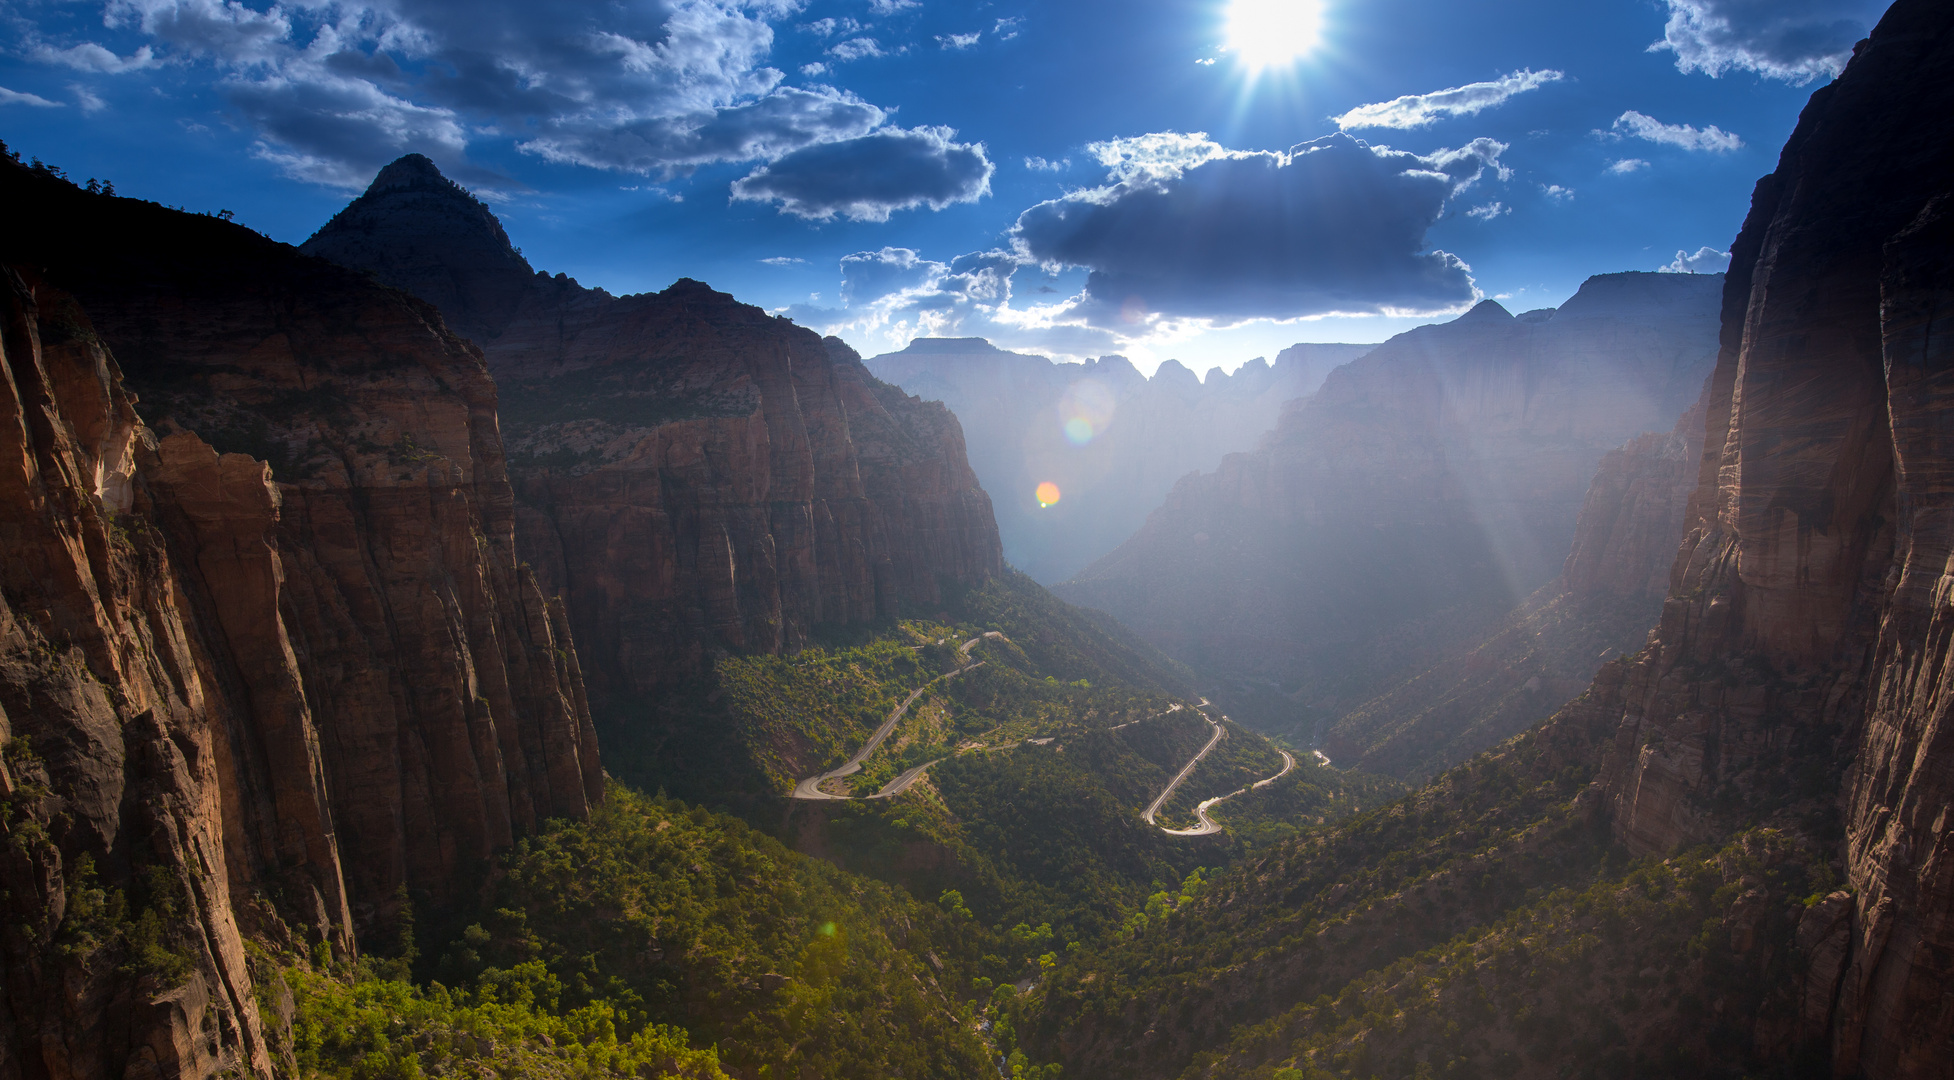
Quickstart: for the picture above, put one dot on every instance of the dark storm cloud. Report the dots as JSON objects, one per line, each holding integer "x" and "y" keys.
{"x": 868, "y": 178}
{"x": 1188, "y": 229}
{"x": 1793, "y": 40}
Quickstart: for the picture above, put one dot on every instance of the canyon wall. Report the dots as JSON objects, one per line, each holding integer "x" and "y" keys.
{"x": 271, "y": 662}
{"x": 1393, "y": 518}
{"x": 695, "y": 476}
{"x": 1112, "y": 440}
{"x": 1543, "y": 654}
{"x": 1802, "y": 650}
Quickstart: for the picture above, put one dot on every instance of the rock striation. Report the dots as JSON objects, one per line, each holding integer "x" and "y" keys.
{"x": 695, "y": 477}
{"x": 267, "y": 655}
{"x": 1800, "y": 667}
{"x": 1395, "y": 516}
{"x": 1112, "y": 440}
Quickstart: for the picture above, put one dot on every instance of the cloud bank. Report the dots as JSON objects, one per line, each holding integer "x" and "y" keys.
{"x": 1189, "y": 229}
{"x": 1793, "y": 40}
{"x": 334, "y": 90}
{"x": 868, "y": 178}
{"x": 1420, "y": 110}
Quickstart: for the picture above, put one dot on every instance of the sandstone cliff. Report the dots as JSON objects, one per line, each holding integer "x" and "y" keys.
{"x": 1805, "y": 633}
{"x": 244, "y": 699}
{"x": 1394, "y": 517}
{"x": 695, "y": 476}
{"x": 1112, "y": 440}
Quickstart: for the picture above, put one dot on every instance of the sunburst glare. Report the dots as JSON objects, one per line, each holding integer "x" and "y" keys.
{"x": 1268, "y": 33}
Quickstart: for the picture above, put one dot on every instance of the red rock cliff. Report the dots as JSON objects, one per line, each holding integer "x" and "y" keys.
{"x": 1803, "y": 647}
{"x": 293, "y": 687}
{"x": 695, "y": 475}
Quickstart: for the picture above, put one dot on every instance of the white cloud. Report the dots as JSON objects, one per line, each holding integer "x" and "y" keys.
{"x": 1489, "y": 211}
{"x": 1793, "y": 40}
{"x": 856, "y": 49}
{"x": 1006, "y": 29}
{"x": 89, "y": 56}
{"x": 814, "y": 69}
{"x": 1707, "y": 260}
{"x": 1640, "y": 126}
{"x": 89, "y": 101}
{"x": 1419, "y": 110}
{"x": 16, "y": 97}
{"x": 1038, "y": 164}
{"x": 1627, "y": 165}
{"x": 1162, "y": 155}
{"x": 890, "y": 7}
{"x": 784, "y": 260}
{"x": 959, "y": 41}
{"x": 1557, "y": 192}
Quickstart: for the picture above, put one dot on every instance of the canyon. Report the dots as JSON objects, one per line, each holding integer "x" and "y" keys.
{"x": 1393, "y": 518}
{"x": 1113, "y": 441}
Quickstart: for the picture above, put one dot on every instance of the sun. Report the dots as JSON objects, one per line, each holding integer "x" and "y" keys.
{"x": 1266, "y": 33}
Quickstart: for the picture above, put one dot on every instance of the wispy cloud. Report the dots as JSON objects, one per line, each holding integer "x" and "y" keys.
{"x": 1640, "y": 126}
{"x": 1557, "y": 192}
{"x": 16, "y": 97}
{"x": 784, "y": 260}
{"x": 1489, "y": 211}
{"x": 1006, "y": 29}
{"x": 890, "y": 7}
{"x": 1418, "y": 110}
{"x": 1627, "y": 165}
{"x": 959, "y": 41}
{"x": 89, "y": 101}
{"x": 1038, "y": 164}
{"x": 857, "y": 49}
{"x": 89, "y": 56}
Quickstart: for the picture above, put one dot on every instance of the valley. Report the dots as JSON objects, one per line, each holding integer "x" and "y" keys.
{"x": 418, "y": 664}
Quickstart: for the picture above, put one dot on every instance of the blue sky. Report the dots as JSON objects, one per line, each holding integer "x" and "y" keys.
{"x": 1075, "y": 177}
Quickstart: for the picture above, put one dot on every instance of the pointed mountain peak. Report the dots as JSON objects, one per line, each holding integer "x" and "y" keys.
{"x": 1486, "y": 311}
{"x": 417, "y": 230}
{"x": 411, "y": 171}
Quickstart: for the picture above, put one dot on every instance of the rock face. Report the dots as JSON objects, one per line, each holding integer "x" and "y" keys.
{"x": 1806, "y": 629}
{"x": 1112, "y": 440}
{"x": 257, "y": 698}
{"x": 1547, "y": 651}
{"x": 695, "y": 476}
{"x": 1395, "y": 516}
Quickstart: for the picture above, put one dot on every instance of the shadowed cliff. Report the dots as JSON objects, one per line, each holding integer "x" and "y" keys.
{"x": 696, "y": 478}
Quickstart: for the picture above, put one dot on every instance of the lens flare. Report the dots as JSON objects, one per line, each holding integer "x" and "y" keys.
{"x": 1084, "y": 410}
{"x": 1267, "y": 33}
{"x": 1047, "y": 493}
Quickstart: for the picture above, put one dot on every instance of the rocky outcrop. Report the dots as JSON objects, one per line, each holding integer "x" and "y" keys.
{"x": 1800, "y": 666}
{"x": 270, "y": 655}
{"x": 1392, "y": 519}
{"x": 1112, "y": 440}
{"x": 696, "y": 476}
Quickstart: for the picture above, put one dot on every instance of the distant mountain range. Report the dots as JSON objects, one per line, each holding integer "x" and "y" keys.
{"x": 1111, "y": 440}
{"x": 1413, "y": 501}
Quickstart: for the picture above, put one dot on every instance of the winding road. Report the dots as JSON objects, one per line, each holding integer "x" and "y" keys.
{"x": 1206, "y": 825}
{"x": 810, "y": 788}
